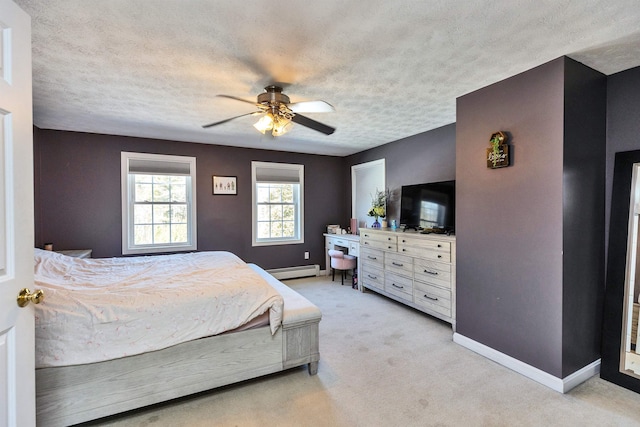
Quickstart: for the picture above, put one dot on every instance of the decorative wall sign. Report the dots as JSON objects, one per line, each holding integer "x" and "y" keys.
{"x": 498, "y": 154}
{"x": 225, "y": 185}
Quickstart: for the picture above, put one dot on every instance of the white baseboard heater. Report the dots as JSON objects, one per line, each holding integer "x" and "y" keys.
{"x": 295, "y": 272}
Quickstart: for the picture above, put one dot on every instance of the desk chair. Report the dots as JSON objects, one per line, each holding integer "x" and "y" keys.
{"x": 341, "y": 261}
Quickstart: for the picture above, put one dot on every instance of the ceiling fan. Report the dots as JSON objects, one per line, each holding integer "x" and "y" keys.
{"x": 278, "y": 113}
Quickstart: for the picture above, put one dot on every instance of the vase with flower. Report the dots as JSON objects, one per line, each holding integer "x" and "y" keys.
{"x": 378, "y": 207}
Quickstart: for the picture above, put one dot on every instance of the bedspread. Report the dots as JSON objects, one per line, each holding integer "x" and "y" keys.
{"x": 101, "y": 309}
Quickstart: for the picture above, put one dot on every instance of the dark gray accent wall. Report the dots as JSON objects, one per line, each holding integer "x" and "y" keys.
{"x": 623, "y": 121}
{"x": 78, "y": 202}
{"x": 426, "y": 157}
{"x": 515, "y": 287}
{"x": 583, "y": 215}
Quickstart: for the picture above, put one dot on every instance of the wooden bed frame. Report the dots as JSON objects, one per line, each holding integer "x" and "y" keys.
{"x": 73, "y": 394}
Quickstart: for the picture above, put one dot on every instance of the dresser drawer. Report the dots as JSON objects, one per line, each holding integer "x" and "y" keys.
{"x": 435, "y": 245}
{"x": 432, "y": 298}
{"x": 372, "y": 276}
{"x": 433, "y": 272}
{"x": 372, "y": 256}
{"x": 436, "y": 255}
{"x": 399, "y": 264}
{"x": 380, "y": 237}
{"x": 338, "y": 241}
{"x": 398, "y": 285}
{"x": 354, "y": 249}
{"x": 379, "y": 244}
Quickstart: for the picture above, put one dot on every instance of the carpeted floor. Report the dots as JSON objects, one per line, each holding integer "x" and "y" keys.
{"x": 383, "y": 364}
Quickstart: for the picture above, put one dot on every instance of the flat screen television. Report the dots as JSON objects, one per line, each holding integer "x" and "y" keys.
{"x": 430, "y": 206}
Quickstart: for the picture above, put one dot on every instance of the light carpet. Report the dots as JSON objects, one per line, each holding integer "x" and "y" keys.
{"x": 384, "y": 364}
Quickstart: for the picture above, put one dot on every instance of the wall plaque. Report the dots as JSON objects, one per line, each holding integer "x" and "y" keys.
{"x": 498, "y": 153}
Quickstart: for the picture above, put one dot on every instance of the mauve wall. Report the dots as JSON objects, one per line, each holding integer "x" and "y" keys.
{"x": 426, "y": 157}
{"x": 509, "y": 221}
{"x": 520, "y": 260}
{"x": 78, "y": 202}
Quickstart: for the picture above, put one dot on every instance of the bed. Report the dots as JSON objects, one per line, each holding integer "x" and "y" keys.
{"x": 128, "y": 371}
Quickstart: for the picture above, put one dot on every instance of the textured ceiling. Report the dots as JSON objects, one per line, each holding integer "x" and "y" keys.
{"x": 392, "y": 69}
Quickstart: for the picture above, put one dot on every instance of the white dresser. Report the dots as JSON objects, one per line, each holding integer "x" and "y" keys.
{"x": 418, "y": 270}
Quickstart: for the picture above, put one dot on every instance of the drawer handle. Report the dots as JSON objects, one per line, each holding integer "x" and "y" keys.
{"x": 372, "y": 257}
{"x": 439, "y": 245}
{"x": 366, "y": 243}
{"x": 389, "y": 247}
{"x": 439, "y": 256}
{"x": 431, "y": 298}
{"x": 396, "y": 286}
{"x": 404, "y": 250}
{"x": 389, "y": 238}
{"x": 372, "y": 277}
{"x": 397, "y": 264}
{"x": 435, "y": 273}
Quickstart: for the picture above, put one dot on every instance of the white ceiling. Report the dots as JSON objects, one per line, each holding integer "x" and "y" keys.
{"x": 392, "y": 69}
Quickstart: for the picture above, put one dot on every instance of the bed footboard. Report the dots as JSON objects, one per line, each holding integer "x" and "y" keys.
{"x": 73, "y": 394}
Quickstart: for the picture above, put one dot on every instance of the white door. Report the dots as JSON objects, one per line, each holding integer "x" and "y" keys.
{"x": 17, "y": 374}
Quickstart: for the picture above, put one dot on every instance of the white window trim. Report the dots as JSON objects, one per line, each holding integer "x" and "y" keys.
{"x": 128, "y": 248}
{"x": 254, "y": 209}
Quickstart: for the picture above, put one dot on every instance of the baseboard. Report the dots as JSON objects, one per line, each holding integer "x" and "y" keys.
{"x": 295, "y": 272}
{"x": 561, "y": 385}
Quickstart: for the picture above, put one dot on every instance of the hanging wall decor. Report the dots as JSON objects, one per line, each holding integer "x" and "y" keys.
{"x": 498, "y": 153}
{"x": 225, "y": 185}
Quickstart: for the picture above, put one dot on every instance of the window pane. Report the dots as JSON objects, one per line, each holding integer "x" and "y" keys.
{"x": 179, "y": 214}
{"x": 287, "y": 193}
{"x": 143, "y": 234}
{"x": 161, "y": 233}
{"x": 161, "y": 214}
{"x": 263, "y": 194}
{"x": 162, "y": 179}
{"x": 275, "y": 194}
{"x": 179, "y": 233}
{"x": 263, "y": 230}
{"x": 288, "y": 213}
{"x": 142, "y": 214}
{"x": 263, "y": 213}
{"x": 143, "y": 192}
{"x": 160, "y": 193}
{"x": 143, "y": 179}
{"x": 178, "y": 193}
{"x": 288, "y": 229}
{"x": 276, "y": 212}
{"x": 276, "y": 229}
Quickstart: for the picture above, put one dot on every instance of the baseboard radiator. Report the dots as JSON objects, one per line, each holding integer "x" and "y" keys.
{"x": 295, "y": 272}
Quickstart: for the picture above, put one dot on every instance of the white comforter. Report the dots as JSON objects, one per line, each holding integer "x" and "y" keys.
{"x": 101, "y": 309}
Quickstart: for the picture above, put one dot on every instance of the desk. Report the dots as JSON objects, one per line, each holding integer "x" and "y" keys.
{"x": 347, "y": 243}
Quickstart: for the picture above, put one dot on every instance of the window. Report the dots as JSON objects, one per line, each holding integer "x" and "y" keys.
{"x": 158, "y": 203}
{"x": 278, "y": 206}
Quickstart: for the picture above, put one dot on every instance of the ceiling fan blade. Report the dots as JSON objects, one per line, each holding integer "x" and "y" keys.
{"x": 312, "y": 124}
{"x": 236, "y": 98}
{"x": 231, "y": 118}
{"x": 311, "y": 107}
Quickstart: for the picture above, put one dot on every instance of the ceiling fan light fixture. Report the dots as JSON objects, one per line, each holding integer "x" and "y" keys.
{"x": 264, "y": 124}
{"x": 281, "y": 127}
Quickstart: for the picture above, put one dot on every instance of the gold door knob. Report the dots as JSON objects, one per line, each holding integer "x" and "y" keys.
{"x": 25, "y": 297}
